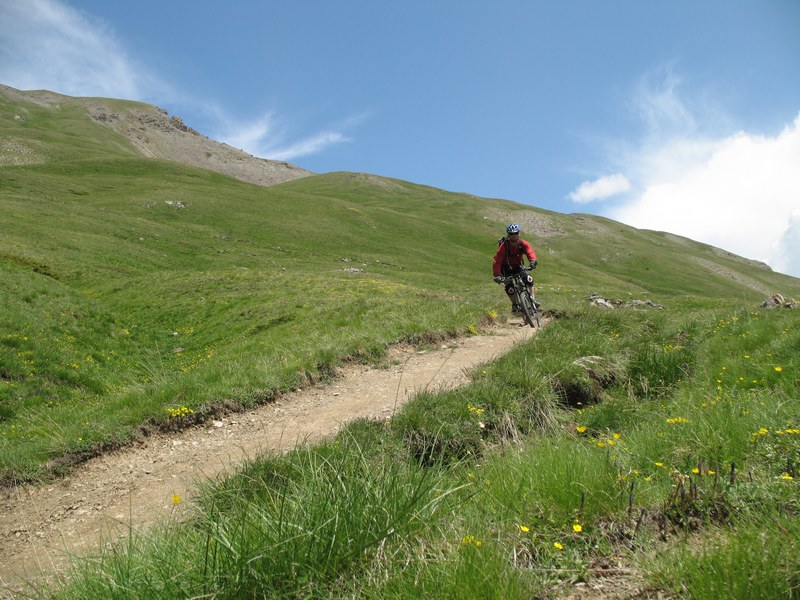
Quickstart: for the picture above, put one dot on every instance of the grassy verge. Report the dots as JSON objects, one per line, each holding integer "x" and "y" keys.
{"x": 665, "y": 444}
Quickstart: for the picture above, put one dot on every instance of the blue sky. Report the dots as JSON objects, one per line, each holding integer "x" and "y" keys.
{"x": 680, "y": 116}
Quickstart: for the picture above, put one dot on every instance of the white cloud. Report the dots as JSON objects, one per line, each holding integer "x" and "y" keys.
{"x": 788, "y": 247}
{"x": 691, "y": 173}
{"x": 264, "y": 137}
{"x": 600, "y": 189}
{"x": 45, "y": 44}
{"x": 248, "y": 135}
{"x": 304, "y": 147}
{"x": 740, "y": 193}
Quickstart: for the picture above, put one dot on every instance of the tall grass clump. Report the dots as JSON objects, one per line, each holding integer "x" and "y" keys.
{"x": 467, "y": 567}
{"x": 552, "y": 481}
{"x": 287, "y": 526}
{"x": 759, "y": 559}
{"x": 504, "y": 401}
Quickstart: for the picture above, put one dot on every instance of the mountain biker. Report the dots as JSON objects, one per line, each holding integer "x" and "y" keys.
{"x": 508, "y": 260}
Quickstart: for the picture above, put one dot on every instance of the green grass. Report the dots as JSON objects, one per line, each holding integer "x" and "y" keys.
{"x": 694, "y": 488}
{"x": 122, "y": 307}
{"x": 757, "y": 560}
{"x": 609, "y": 434}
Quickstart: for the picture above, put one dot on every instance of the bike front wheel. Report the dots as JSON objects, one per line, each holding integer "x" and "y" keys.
{"x": 529, "y": 310}
{"x": 525, "y": 307}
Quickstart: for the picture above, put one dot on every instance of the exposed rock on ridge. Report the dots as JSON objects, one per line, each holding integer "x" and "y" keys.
{"x": 157, "y": 135}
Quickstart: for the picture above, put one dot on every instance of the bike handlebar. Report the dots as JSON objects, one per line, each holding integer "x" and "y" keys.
{"x": 504, "y": 278}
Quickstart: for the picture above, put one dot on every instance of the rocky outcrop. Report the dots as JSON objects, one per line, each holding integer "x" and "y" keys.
{"x": 778, "y": 301}
{"x": 597, "y": 300}
{"x": 157, "y": 135}
{"x": 153, "y": 133}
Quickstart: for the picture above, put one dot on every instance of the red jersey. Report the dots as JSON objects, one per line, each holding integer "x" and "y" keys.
{"x": 512, "y": 257}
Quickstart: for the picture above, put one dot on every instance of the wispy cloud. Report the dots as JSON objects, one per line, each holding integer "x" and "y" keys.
{"x": 304, "y": 147}
{"x": 46, "y": 44}
{"x": 736, "y": 190}
{"x": 265, "y": 136}
{"x": 601, "y": 188}
{"x": 659, "y": 105}
{"x": 246, "y": 135}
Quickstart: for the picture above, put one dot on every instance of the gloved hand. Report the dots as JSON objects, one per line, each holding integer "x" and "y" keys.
{"x": 534, "y": 263}
{"x": 498, "y": 279}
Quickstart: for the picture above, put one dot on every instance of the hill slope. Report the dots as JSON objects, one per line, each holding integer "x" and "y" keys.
{"x": 149, "y": 130}
{"x": 135, "y": 287}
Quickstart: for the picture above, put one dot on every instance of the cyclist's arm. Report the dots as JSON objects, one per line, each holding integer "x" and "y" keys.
{"x": 529, "y": 251}
{"x": 498, "y": 261}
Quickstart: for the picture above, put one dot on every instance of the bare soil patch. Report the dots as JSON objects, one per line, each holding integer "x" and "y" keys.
{"x": 534, "y": 223}
{"x": 42, "y": 525}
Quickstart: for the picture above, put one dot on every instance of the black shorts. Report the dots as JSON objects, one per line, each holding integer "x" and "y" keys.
{"x": 508, "y": 270}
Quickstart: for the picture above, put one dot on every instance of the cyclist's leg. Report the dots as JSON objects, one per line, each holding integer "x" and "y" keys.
{"x": 532, "y": 290}
{"x": 509, "y": 287}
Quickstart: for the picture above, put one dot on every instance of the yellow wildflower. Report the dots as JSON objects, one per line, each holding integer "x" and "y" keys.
{"x": 577, "y": 528}
{"x": 471, "y": 540}
{"x": 557, "y": 546}
{"x": 176, "y": 499}
{"x": 580, "y": 428}
{"x": 524, "y": 529}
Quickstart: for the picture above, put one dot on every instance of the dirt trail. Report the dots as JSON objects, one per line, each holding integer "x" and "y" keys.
{"x": 41, "y": 525}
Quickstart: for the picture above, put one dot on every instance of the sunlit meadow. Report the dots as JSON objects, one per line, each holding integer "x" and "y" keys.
{"x": 655, "y": 443}
{"x": 524, "y": 493}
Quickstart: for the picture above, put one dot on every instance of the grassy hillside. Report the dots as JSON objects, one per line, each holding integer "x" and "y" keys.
{"x": 134, "y": 288}
{"x": 655, "y": 449}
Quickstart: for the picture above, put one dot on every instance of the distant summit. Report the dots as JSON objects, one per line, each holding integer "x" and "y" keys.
{"x": 155, "y": 134}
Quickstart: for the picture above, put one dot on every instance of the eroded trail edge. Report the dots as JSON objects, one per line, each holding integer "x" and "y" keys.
{"x": 42, "y": 525}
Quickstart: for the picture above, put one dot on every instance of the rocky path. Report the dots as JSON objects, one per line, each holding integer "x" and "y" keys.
{"x": 42, "y": 525}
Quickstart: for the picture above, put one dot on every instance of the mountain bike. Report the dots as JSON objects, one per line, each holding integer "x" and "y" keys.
{"x": 524, "y": 297}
